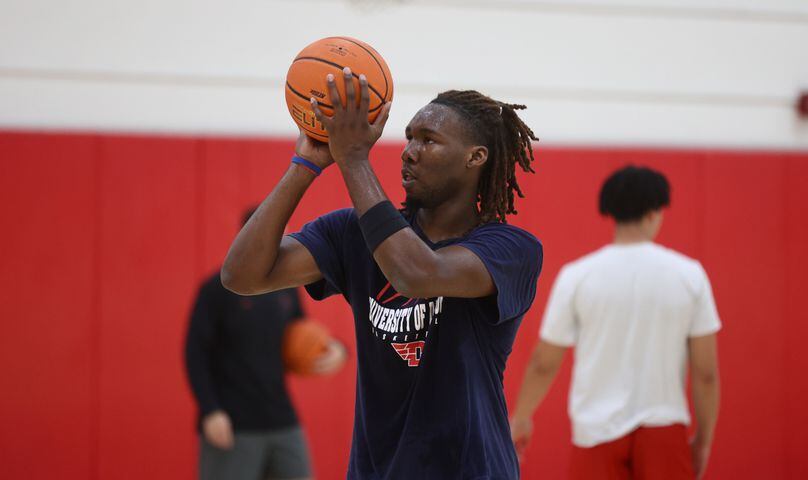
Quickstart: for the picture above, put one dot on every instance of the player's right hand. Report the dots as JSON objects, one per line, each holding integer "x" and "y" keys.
{"x": 218, "y": 430}
{"x": 521, "y": 432}
{"x": 313, "y": 150}
{"x": 350, "y": 134}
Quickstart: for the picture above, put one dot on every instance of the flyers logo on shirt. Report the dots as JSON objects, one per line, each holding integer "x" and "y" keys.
{"x": 411, "y": 352}
{"x": 403, "y": 322}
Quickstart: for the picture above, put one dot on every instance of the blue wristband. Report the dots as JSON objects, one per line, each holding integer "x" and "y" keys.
{"x": 307, "y": 164}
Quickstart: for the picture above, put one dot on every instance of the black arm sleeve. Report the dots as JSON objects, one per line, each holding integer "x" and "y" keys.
{"x": 199, "y": 347}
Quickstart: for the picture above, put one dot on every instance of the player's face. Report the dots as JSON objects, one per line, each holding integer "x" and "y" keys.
{"x": 435, "y": 160}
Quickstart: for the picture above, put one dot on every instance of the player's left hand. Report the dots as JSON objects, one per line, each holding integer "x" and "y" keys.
{"x": 312, "y": 150}
{"x": 350, "y": 135}
{"x": 331, "y": 360}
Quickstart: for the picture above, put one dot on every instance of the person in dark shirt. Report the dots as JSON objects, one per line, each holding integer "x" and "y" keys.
{"x": 248, "y": 425}
{"x": 438, "y": 290}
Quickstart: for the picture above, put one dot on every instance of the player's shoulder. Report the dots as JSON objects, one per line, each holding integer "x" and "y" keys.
{"x": 506, "y": 243}
{"x": 588, "y": 260}
{"x": 676, "y": 259}
{"x": 344, "y": 214}
{"x": 340, "y": 219}
{"x": 213, "y": 281}
{"x": 505, "y": 230}
{"x": 212, "y": 286}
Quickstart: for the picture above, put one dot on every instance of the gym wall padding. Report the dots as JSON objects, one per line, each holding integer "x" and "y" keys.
{"x": 106, "y": 238}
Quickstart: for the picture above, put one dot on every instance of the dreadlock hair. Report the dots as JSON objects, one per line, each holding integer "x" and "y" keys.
{"x": 495, "y": 125}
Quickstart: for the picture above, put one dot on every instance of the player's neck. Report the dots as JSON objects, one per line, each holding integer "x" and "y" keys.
{"x": 628, "y": 233}
{"x": 450, "y": 219}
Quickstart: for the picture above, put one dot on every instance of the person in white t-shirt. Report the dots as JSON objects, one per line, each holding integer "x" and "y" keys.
{"x": 638, "y": 314}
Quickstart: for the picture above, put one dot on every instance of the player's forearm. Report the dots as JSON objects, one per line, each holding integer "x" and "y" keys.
{"x": 362, "y": 183}
{"x": 706, "y": 390}
{"x": 535, "y": 385}
{"x": 406, "y": 261}
{"x": 249, "y": 262}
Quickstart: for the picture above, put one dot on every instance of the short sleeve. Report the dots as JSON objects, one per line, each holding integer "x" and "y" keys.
{"x": 324, "y": 239}
{"x": 513, "y": 258}
{"x": 705, "y": 314}
{"x": 559, "y": 325}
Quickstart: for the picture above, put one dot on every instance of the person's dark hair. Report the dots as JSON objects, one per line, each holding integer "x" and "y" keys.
{"x": 245, "y": 216}
{"x": 631, "y": 192}
{"x": 495, "y": 125}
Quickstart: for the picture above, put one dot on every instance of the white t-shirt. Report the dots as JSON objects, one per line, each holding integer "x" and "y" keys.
{"x": 628, "y": 310}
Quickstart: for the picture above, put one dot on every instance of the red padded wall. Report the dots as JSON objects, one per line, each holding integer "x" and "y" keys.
{"x": 147, "y": 254}
{"x": 748, "y": 259}
{"x": 795, "y": 359}
{"x": 48, "y": 306}
{"x": 105, "y": 239}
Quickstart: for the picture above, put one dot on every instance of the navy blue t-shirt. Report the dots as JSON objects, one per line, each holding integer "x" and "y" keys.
{"x": 429, "y": 395}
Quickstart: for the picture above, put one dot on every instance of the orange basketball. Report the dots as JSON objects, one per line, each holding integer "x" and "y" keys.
{"x": 306, "y": 79}
{"x": 303, "y": 342}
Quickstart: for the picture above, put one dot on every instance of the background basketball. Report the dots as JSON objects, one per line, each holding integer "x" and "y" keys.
{"x": 303, "y": 342}
{"x": 306, "y": 79}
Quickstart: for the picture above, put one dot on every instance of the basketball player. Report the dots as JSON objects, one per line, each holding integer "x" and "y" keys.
{"x": 247, "y": 424}
{"x": 637, "y": 314}
{"x": 437, "y": 292}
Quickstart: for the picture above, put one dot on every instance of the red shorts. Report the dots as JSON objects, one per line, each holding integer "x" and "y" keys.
{"x": 658, "y": 453}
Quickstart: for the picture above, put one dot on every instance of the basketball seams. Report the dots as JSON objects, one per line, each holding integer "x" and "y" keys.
{"x": 323, "y": 104}
{"x": 373, "y": 56}
{"x": 340, "y": 67}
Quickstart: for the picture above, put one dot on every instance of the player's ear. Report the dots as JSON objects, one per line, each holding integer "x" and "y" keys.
{"x": 477, "y": 157}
